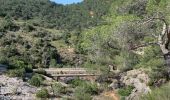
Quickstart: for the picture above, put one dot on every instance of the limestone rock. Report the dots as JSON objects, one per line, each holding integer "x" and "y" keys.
{"x": 139, "y": 80}
{"x": 114, "y": 84}
{"x": 16, "y": 89}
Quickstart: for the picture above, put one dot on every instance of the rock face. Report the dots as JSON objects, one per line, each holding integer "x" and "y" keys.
{"x": 139, "y": 80}
{"x": 15, "y": 89}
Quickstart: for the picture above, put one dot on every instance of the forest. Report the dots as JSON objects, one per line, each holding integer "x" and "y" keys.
{"x": 127, "y": 41}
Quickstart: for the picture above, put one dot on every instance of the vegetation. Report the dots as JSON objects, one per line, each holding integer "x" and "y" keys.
{"x": 43, "y": 93}
{"x": 81, "y": 95}
{"x": 126, "y": 91}
{"x": 16, "y": 73}
{"x": 58, "y": 89}
{"x": 36, "y": 80}
{"x": 96, "y": 34}
{"x": 158, "y": 93}
{"x": 49, "y": 14}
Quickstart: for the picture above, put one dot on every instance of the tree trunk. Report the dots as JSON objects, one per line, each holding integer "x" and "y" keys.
{"x": 163, "y": 42}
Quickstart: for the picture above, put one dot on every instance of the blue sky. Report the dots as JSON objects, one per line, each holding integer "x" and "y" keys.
{"x": 66, "y": 1}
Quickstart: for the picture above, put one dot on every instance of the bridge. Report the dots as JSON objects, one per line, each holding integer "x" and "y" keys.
{"x": 69, "y": 72}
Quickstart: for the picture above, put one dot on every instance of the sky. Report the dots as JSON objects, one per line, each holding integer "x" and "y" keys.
{"x": 66, "y": 1}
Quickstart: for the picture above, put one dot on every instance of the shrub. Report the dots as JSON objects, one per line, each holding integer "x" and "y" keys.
{"x": 126, "y": 91}
{"x": 29, "y": 68}
{"x": 41, "y": 71}
{"x": 8, "y": 24}
{"x": 80, "y": 94}
{"x": 88, "y": 87}
{"x": 28, "y": 28}
{"x": 16, "y": 73}
{"x": 105, "y": 78}
{"x": 36, "y": 80}
{"x": 161, "y": 93}
{"x": 76, "y": 82}
{"x": 3, "y": 59}
{"x": 53, "y": 63}
{"x": 58, "y": 88}
{"x": 43, "y": 93}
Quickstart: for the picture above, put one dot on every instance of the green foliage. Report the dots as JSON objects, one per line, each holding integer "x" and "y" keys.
{"x": 3, "y": 59}
{"x": 28, "y": 28}
{"x": 81, "y": 95}
{"x": 53, "y": 63}
{"x": 152, "y": 61}
{"x": 16, "y": 73}
{"x": 52, "y": 15}
{"x": 28, "y": 68}
{"x": 7, "y": 24}
{"x": 77, "y": 82}
{"x": 58, "y": 89}
{"x": 19, "y": 64}
{"x": 36, "y": 80}
{"x": 43, "y": 93}
{"x": 126, "y": 91}
{"x": 41, "y": 71}
{"x": 161, "y": 93}
{"x": 105, "y": 77}
{"x": 90, "y": 88}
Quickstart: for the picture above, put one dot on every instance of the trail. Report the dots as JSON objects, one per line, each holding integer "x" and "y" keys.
{"x": 111, "y": 94}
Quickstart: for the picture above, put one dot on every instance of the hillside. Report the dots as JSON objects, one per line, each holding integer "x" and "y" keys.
{"x": 126, "y": 42}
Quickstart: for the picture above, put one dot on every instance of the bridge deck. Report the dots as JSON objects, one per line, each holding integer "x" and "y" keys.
{"x": 68, "y": 72}
{"x": 70, "y": 75}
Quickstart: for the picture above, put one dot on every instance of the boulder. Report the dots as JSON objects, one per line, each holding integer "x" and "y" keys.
{"x": 114, "y": 84}
{"x": 16, "y": 89}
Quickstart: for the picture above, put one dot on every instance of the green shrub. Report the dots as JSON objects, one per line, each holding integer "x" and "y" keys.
{"x": 84, "y": 90}
{"x": 43, "y": 93}
{"x": 8, "y": 24}
{"x": 41, "y": 71}
{"x": 16, "y": 73}
{"x": 58, "y": 88}
{"x": 53, "y": 63}
{"x": 3, "y": 59}
{"x": 76, "y": 82}
{"x": 29, "y": 69}
{"x": 126, "y": 91}
{"x": 28, "y": 28}
{"x": 90, "y": 88}
{"x": 80, "y": 94}
{"x": 36, "y": 80}
{"x": 161, "y": 93}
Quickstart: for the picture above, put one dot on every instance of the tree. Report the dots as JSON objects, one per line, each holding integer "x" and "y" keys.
{"x": 162, "y": 40}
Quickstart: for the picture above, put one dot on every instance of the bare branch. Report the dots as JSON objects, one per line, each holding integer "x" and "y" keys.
{"x": 157, "y": 18}
{"x": 143, "y": 45}
{"x": 163, "y": 40}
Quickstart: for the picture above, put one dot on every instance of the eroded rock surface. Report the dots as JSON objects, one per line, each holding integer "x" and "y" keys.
{"x": 139, "y": 80}
{"x": 16, "y": 89}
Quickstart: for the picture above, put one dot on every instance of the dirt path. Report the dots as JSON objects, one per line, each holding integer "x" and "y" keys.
{"x": 111, "y": 94}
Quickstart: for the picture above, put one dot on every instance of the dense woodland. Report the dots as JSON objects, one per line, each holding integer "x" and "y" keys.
{"x": 92, "y": 34}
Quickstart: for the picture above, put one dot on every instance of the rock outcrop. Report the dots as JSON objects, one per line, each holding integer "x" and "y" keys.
{"x": 139, "y": 80}
{"x": 16, "y": 89}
